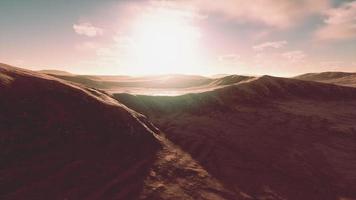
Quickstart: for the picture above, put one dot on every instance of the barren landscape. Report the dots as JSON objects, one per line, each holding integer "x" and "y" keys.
{"x": 250, "y": 138}
{"x": 178, "y": 100}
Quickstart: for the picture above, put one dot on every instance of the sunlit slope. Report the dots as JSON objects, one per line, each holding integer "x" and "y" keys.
{"x": 158, "y": 84}
{"x": 271, "y": 137}
{"x": 56, "y": 72}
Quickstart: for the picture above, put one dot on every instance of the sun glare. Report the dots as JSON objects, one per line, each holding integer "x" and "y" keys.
{"x": 165, "y": 41}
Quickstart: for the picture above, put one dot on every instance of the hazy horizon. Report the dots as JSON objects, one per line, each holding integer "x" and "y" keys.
{"x": 187, "y": 74}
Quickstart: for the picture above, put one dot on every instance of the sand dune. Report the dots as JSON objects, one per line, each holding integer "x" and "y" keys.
{"x": 62, "y": 141}
{"x": 244, "y": 138}
{"x": 338, "y": 78}
{"x": 56, "y": 72}
{"x": 270, "y": 137}
{"x": 174, "y": 84}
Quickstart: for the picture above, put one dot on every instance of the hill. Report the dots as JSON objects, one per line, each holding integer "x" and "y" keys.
{"x": 273, "y": 138}
{"x": 56, "y": 72}
{"x": 160, "y": 84}
{"x": 338, "y": 78}
{"x": 62, "y": 141}
{"x": 244, "y": 138}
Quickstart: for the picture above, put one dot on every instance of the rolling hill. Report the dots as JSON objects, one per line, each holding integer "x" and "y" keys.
{"x": 244, "y": 138}
{"x": 62, "y": 141}
{"x": 164, "y": 84}
{"x": 273, "y": 138}
{"x": 56, "y": 72}
{"x": 338, "y": 78}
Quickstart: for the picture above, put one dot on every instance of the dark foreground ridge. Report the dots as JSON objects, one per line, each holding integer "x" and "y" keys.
{"x": 60, "y": 140}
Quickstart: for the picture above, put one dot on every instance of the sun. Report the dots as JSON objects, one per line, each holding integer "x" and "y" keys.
{"x": 165, "y": 42}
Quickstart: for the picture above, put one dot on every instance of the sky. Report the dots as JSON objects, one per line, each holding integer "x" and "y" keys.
{"x": 138, "y": 37}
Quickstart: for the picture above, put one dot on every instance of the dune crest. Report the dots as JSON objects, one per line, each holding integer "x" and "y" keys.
{"x": 271, "y": 137}
{"x": 64, "y": 141}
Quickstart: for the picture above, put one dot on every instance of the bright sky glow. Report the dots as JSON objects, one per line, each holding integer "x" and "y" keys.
{"x": 164, "y": 38}
{"x": 138, "y": 37}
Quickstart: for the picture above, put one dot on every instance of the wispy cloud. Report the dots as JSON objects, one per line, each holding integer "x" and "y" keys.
{"x": 87, "y": 29}
{"x": 229, "y": 58}
{"x": 332, "y": 63}
{"x": 87, "y": 46}
{"x": 340, "y": 23}
{"x": 116, "y": 52}
{"x": 272, "y": 44}
{"x": 294, "y": 56}
{"x": 275, "y": 13}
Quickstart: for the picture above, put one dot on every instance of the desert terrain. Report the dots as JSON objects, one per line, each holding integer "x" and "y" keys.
{"x": 66, "y": 136}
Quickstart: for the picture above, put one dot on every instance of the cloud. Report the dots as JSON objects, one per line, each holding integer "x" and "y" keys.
{"x": 294, "y": 56}
{"x": 340, "y": 23}
{"x": 273, "y": 44}
{"x": 87, "y": 46}
{"x": 332, "y": 63}
{"x": 116, "y": 52}
{"x": 337, "y": 65}
{"x": 229, "y": 58}
{"x": 258, "y": 35}
{"x": 87, "y": 29}
{"x": 275, "y": 13}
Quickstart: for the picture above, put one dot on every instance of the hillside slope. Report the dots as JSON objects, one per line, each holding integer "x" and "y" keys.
{"x": 273, "y": 138}
{"x": 338, "y": 78}
{"x": 61, "y": 141}
{"x": 56, "y": 72}
{"x": 175, "y": 83}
